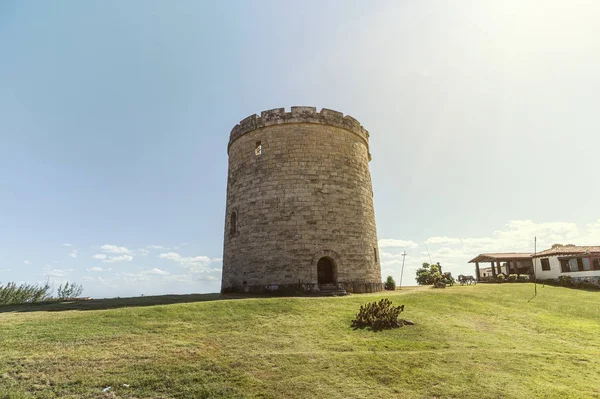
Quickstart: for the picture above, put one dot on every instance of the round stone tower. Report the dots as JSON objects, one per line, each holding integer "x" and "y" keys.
{"x": 300, "y": 204}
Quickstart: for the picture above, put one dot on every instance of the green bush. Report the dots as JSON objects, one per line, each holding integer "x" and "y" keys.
{"x": 523, "y": 278}
{"x": 588, "y": 284}
{"x": 565, "y": 281}
{"x": 69, "y": 290}
{"x": 500, "y": 278}
{"x": 378, "y": 316}
{"x": 424, "y": 274}
{"x": 439, "y": 284}
{"x": 13, "y": 294}
{"x": 432, "y": 274}
{"x": 390, "y": 284}
{"x": 512, "y": 278}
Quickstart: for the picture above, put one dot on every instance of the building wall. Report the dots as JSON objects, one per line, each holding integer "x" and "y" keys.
{"x": 555, "y": 270}
{"x": 307, "y": 195}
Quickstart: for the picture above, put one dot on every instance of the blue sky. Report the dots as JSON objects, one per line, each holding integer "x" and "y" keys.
{"x": 115, "y": 116}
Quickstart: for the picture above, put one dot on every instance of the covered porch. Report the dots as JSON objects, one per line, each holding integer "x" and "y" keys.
{"x": 503, "y": 263}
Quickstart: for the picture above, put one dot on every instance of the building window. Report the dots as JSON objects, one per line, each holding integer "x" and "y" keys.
{"x": 564, "y": 266}
{"x": 578, "y": 265}
{"x": 545, "y": 264}
{"x": 596, "y": 263}
{"x": 258, "y": 149}
{"x": 586, "y": 264}
{"x": 375, "y": 253}
{"x": 233, "y": 223}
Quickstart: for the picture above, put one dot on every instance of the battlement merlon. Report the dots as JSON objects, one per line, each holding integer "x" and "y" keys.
{"x": 278, "y": 116}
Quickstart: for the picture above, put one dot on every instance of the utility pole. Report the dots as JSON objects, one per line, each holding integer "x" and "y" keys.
{"x": 402, "y": 272}
{"x": 534, "y": 273}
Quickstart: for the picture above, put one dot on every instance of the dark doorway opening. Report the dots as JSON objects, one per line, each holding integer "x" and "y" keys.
{"x": 325, "y": 271}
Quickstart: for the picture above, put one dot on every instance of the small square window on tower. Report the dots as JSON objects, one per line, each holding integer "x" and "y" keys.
{"x": 258, "y": 149}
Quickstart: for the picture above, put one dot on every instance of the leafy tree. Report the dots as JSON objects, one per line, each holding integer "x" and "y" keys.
{"x": 427, "y": 274}
{"x": 69, "y": 290}
{"x": 432, "y": 275}
{"x": 390, "y": 284}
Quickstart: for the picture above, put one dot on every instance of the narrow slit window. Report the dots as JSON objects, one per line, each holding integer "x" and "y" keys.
{"x": 233, "y": 223}
{"x": 258, "y": 149}
{"x": 375, "y": 253}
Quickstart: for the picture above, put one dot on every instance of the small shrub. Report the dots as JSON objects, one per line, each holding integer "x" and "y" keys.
{"x": 390, "y": 284}
{"x": 589, "y": 284}
{"x": 500, "y": 278}
{"x": 439, "y": 284}
{"x": 69, "y": 290}
{"x": 378, "y": 316}
{"x": 512, "y": 278}
{"x": 565, "y": 281}
{"x": 523, "y": 278}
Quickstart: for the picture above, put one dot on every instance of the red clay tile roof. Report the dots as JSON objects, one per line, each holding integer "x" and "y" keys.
{"x": 500, "y": 257}
{"x": 570, "y": 250}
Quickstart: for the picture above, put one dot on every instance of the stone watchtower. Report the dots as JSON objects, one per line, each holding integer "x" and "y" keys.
{"x": 300, "y": 204}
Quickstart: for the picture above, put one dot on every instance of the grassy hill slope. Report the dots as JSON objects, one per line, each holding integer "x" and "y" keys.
{"x": 481, "y": 341}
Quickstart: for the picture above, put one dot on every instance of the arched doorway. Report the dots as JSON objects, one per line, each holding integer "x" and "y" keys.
{"x": 325, "y": 271}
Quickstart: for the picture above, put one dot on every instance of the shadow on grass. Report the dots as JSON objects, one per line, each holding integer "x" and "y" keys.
{"x": 115, "y": 303}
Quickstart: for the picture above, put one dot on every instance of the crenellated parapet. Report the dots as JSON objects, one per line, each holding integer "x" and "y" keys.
{"x": 278, "y": 116}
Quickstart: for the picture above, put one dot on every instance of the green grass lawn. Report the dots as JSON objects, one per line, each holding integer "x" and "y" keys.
{"x": 481, "y": 341}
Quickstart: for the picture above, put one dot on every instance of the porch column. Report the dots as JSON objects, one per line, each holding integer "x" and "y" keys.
{"x": 499, "y": 267}
{"x": 477, "y": 271}
{"x": 493, "y": 269}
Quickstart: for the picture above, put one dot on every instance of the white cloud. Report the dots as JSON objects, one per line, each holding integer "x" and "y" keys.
{"x": 95, "y": 269}
{"x": 49, "y": 271}
{"x": 196, "y": 264}
{"x": 99, "y": 256}
{"x": 158, "y": 272}
{"x": 94, "y": 279}
{"x": 67, "y": 245}
{"x": 156, "y": 247}
{"x": 393, "y": 243}
{"x": 442, "y": 240}
{"x": 114, "y": 249}
{"x": 142, "y": 252}
{"x": 116, "y": 254}
{"x": 171, "y": 256}
{"x": 118, "y": 258}
{"x": 27, "y": 262}
{"x": 387, "y": 255}
{"x": 73, "y": 253}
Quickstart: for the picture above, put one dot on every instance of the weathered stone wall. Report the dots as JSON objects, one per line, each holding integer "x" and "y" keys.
{"x": 307, "y": 195}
